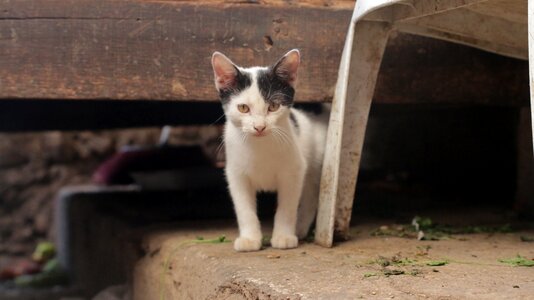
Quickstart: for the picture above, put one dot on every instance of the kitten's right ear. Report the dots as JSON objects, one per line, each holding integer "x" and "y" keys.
{"x": 224, "y": 70}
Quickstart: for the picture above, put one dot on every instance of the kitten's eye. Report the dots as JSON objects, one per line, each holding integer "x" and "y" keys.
{"x": 243, "y": 108}
{"x": 274, "y": 106}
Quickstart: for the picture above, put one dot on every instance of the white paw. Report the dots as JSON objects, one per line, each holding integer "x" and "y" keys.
{"x": 243, "y": 244}
{"x": 284, "y": 241}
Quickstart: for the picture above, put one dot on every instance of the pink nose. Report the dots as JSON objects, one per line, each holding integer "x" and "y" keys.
{"x": 259, "y": 129}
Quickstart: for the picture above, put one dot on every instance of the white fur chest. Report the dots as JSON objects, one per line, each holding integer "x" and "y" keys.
{"x": 264, "y": 161}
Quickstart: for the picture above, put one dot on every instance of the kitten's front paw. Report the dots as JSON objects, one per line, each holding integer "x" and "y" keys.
{"x": 284, "y": 241}
{"x": 243, "y": 244}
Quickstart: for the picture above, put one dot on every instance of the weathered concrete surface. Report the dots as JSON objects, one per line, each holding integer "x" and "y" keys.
{"x": 176, "y": 268}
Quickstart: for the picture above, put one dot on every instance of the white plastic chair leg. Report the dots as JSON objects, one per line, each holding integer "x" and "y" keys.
{"x": 358, "y": 71}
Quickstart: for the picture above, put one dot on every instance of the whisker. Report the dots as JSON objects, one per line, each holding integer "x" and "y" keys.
{"x": 286, "y": 137}
{"x": 281, "y": 137}
{"x": 219, "y": 148}
{"x": 217, "y": 120}
{"x": 277, "y": 137}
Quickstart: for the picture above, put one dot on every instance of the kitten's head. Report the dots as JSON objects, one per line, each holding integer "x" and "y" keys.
{"x": 256, "y": 100}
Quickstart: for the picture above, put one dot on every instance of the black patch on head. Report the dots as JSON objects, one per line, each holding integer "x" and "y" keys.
{"x": 274, "y": 89}
{"x": 242, "y": 81}
{"x": 294, "y": 121}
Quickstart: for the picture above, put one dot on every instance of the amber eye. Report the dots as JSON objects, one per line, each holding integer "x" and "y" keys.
{"x": 274, "y": 106}
{"x": 243, "y": 108}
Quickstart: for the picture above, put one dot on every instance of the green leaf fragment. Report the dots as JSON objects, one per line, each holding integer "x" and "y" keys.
{"x": 518, "y": 261}
{"x": 393, "y": 272}
{"x": 426, "y": 229}
{"x": 310, "y": 237}
{"x": 437, "y": 263}
{"x": 44, "y": 251}
{"x": 266, "y": 241}
{"x": 221, "y": 239}
{"x": 393, "y": 261}
{"x": 421, "y": 223}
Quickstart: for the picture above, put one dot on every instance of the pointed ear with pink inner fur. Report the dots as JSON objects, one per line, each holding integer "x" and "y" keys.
{"x": 224, "y": 70}
{"x": 286, "y": 68}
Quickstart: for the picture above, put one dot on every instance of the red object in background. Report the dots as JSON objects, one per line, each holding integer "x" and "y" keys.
{"x": 117, "y": 169}
{"x": 18, "y": 268}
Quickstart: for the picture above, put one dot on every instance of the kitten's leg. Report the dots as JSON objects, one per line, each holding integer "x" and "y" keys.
{"x": 244, "y": 198}
{"x": 307, "y": 206}
{"x": 285, "y": 220}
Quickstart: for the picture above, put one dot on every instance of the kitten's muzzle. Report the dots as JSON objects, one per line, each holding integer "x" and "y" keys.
{"x": 259, "y": 128}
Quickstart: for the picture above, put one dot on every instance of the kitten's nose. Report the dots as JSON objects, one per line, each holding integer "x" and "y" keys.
{"x": 259, "y": 128}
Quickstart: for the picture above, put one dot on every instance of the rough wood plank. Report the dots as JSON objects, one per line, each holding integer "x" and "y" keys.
{"x": 345, "y": 4}
{"x": 160, "y": 50}
{"x": 156, "y": 50}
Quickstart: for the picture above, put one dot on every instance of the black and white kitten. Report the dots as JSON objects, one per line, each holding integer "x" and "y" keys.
{"x": 270, "y": 146}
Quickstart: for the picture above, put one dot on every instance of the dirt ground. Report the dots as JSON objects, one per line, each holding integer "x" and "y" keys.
{"x": 467, "y": 266}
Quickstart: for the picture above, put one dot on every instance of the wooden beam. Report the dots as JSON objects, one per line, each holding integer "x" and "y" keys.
{"x": 160, "y": 50}
{"x": 85, "y": 49}
{"x": 424, "y": 70}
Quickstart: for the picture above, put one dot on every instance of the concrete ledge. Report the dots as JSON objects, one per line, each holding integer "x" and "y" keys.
{"x": 174, "y": 267}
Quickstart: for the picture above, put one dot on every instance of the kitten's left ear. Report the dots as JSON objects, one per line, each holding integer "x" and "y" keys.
{"x": 286, "y": 68}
